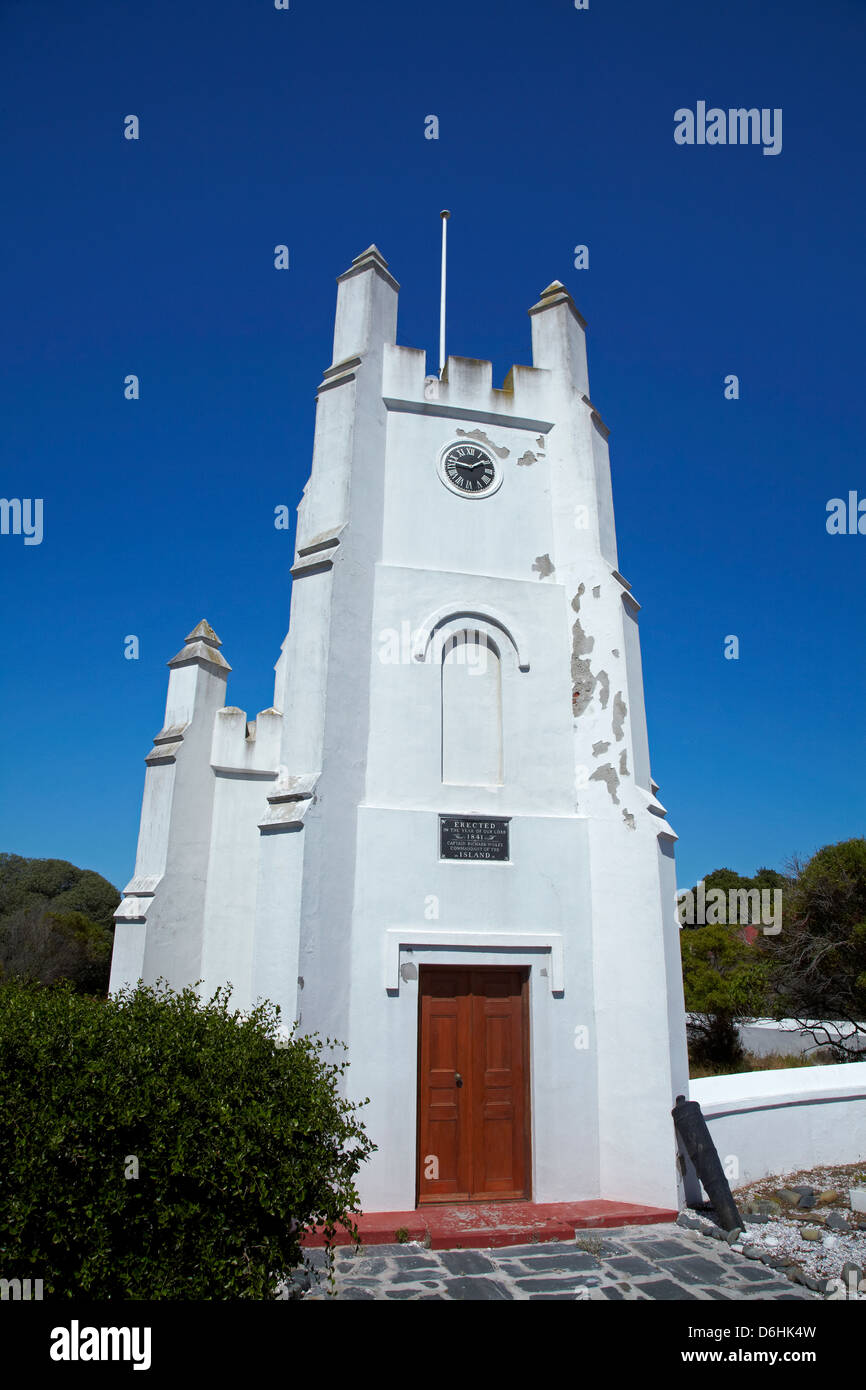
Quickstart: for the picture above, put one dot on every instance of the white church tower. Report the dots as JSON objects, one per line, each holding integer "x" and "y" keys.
{"x": 442, "y": 844}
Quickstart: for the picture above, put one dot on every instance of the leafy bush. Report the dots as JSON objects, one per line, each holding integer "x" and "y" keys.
{"x": 153, "y": 1146}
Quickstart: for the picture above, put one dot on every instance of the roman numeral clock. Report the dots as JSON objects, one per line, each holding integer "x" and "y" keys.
{"x": 469, "y": 470}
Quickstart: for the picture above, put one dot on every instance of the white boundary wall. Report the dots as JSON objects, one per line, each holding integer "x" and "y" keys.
{"x": 775, "y": 1122}
{"x": 764, "y": 1036}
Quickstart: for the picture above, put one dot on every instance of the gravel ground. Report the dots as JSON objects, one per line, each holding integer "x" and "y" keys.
{"x": 806, "y": 1217}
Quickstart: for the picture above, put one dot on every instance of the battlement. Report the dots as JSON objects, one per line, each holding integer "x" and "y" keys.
{"x": 366, "y": 322}
{"x": 246, "y": 747}
{"x": 466, "y": 387}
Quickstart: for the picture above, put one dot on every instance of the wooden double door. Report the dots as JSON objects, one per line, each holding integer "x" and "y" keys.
{"x": 473, "y": 1084}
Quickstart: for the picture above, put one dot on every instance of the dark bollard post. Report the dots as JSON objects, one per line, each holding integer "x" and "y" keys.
{"x": 692, "y": 1129}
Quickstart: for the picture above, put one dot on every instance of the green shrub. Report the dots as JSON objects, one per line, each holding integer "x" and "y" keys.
{"x": 153, "y": 1146}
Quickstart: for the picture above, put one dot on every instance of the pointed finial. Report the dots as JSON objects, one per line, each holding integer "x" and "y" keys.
{"x": 372, "y": 253}
{"x": 204, "y": 633}
{"x": 554, "y": 294}
{"x": 201, "y": 646}
{"x": 371, "y": 259}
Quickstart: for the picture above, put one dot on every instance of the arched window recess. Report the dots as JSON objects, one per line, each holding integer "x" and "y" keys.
{"x": 433, "y": 634}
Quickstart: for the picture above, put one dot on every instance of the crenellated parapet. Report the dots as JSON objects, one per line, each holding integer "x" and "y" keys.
{"x": 466, "y": 383}
{"x": 466, "y": 390}
{"x": 242, "y": 746}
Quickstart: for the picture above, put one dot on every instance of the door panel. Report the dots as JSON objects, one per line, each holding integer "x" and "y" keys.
{"x": 444, "y": 1030}
{"x": 473, "y": 1117}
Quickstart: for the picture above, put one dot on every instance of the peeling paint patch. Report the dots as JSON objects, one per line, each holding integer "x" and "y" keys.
{"x": 599, "y": 748}
{"x": 482, "y": 439}
{"x": 604, "y": 685}
{"x": 623, "y": 763}
{"x": 596, "y": 592}
{"x": 583, "y": 681}
{"x": 528, "y": 457}
{"x": 544, "y": 566}
{"x": 540, "y": 441}
{"x": 629, "y": 819}
{"x": 619, "y": 713}
{"x": 607, "y": 774}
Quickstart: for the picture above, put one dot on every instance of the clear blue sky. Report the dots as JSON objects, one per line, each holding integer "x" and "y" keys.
{"x": 306, "y": 127}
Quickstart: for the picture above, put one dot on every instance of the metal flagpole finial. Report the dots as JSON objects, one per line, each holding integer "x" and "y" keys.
{"x": 444, "y": 214}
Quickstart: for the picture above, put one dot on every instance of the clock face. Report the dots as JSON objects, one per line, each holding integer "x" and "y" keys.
{"x": 469, "y": 470}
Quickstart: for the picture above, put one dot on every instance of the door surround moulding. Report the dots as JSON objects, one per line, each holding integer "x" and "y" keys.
{"x": 398, "y": 939}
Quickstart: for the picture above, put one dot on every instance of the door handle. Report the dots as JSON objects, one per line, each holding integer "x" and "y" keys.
{"x": 458, "y": 1079}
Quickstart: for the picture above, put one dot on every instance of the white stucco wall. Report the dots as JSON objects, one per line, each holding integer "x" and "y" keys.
{"x": 775, "y": 1122}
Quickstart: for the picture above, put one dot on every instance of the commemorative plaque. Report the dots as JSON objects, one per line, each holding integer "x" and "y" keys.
{"x": 473, "y": 837}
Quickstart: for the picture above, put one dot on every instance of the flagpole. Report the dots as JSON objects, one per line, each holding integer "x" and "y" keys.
{"x": 444, "y": 215}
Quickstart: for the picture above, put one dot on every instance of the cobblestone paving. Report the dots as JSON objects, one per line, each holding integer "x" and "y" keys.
{"x": 635, "y": 1262}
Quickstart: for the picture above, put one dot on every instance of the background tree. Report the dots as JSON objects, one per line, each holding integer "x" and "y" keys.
{"x": 726, "y": 983}
{"x": 820, "y": 955}
{"x": 770, "y": 879}
{"x": 56, "y": 922}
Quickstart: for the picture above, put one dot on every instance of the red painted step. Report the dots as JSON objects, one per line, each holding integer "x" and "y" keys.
{"x": 485, "y": 1225}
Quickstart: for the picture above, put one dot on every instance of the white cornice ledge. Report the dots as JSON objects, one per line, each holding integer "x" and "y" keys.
{"x": 288, "y": 804}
